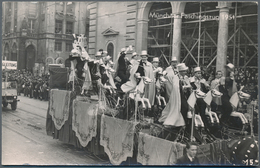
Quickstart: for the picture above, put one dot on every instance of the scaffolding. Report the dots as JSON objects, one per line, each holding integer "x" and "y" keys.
{"x": 160, "y": 32}
{"x": 199, "y": 34}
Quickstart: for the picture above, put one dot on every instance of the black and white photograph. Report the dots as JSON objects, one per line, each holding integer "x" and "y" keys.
{"x": 130, "y": 83}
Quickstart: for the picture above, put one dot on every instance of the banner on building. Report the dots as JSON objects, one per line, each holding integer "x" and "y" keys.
{"x": 9, "y": 65}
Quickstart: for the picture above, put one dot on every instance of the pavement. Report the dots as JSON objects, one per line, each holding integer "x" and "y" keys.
{"x": 25, "y": 142}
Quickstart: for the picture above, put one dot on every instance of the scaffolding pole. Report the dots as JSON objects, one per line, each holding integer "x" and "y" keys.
{"x": 234, "y": 41}
{"x": 199, "y": 36}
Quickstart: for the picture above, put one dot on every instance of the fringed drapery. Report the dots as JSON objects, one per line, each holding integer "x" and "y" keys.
{"x": 117, "y": 137}
{"x": 60, "y": 109}
{"x": 84, "y": 121}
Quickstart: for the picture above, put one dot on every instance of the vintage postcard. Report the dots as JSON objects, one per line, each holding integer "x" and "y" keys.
{"x": 130, "y": 83}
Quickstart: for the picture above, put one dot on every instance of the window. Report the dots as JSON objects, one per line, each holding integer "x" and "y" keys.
{"x": 9, "y": 8}
{"x": 69, "y": 28}
{"x": 58, "y": 46}
{"x": 110, "y": 50}
{"x": 32, "y": 9}
{"x": 7, "y": 27}
{"x": 70, "y": 8}
{"x": 59, "y": 7}
{"x": 31, "y": 23}
{"x": 58, "y": 26}
{"x": 15, "y": 25}
{"x": 68, "y": 47}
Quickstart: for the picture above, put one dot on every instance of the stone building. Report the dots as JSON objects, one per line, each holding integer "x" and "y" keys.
{"x": 39, "y": 33}
{"x": 225, "y": 32}
{"x": 208, "y": 34}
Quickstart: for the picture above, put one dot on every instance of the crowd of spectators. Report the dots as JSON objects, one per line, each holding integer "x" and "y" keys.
{"x": 244, "y": 77}
{"x": 29, "y": 85}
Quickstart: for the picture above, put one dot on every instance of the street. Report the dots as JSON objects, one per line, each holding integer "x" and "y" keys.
{"x": 25, "y": 142}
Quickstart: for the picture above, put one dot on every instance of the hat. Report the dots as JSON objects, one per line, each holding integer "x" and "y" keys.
{"x": 144, "y": 53}
{"x": 104, "y": 53}
{"x": 123, "y": 49}
{"x": 196, "y": 69}
{"x": 98, "y": 54}
{"x": 107, "y": 58}
{"x": 134, "y": 54}
{"x": 174, "y": 59}
{"x": 155, "y": 59}
{"x": 229, "y": 65}
{"x": 182, "y": 67}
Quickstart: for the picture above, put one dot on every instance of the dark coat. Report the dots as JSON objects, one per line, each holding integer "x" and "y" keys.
{"x": 184, "y": 160}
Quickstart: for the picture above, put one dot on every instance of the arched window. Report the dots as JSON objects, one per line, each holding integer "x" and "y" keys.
{"x": 6, "y": 52}
{"x": 14, "y": 53}
{"x": 110, "y": 50}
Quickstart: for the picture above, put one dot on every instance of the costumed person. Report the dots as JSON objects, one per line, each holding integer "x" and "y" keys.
{"x": 109, "y": 71}
{"x": 171, "y": 72}
{"x": 185, "y": 90}
{"x": 95, "y": 71}
{"x": 148, "y": 72}
{"x": 216, "y": 101}
{"x": 79, "y": 68}
{"x": 227, "y": 108}
{"x": 227, "y": 87}
{"x": 74, "y": 54}
{"x": 198, "y": 82}
{"x": 157, "y": 71}
{"x": 87, "y": 83}
{"x": 171, "y": 114}
{"x": 132, "y": 82}
{"x": 230, "y": 82}
{"x": 156, "y": 68}
{"x": 189, "y": 158}
{"x": 122, "y": 64}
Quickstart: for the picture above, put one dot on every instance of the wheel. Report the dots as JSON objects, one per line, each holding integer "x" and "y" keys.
{"x": 14, "y": 105}
{"x": 5, "y": 104}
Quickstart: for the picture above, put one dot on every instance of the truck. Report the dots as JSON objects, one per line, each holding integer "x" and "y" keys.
{"x": 9, "y": 86}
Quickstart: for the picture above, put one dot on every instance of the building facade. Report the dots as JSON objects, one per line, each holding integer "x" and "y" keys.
{"x": 208, "y": 34}
{"x": 40, "y": 33}
{"x": 197, "y": 33}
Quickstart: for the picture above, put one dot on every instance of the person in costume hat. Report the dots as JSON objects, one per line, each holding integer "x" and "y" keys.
{"x": 156, "y": 68}
{"x": 171, "y": 72}
{"x": 145, "y": 68}
{"x": 185, "y": 91}
{"x": 198, "y": 82}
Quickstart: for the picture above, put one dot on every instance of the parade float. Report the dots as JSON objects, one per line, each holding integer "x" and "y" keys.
{"x": 86, "y": 109}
